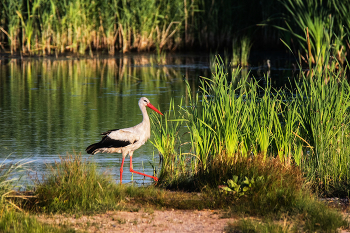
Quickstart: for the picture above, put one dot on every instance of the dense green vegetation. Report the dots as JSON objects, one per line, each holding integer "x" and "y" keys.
{"x": 249, "y": 149}
{"x": 306, "y": 125}
{"x": 80, "y": 26}
{"x": 12, "y": 217}
{"x": 74, "y": 186}
{"x": 12, "y": 221}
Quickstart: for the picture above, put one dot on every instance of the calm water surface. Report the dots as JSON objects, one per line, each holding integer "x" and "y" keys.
{"x": 51, "y": 107}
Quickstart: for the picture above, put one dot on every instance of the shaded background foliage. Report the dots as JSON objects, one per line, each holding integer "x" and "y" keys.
{"x": 53, "y": 26}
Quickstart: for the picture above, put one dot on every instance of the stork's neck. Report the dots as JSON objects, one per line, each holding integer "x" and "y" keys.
{"x": 145, "y": 119}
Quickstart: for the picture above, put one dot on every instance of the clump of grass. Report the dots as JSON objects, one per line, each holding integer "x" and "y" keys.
{"x": 11, "y": 221}
{"x": 316, "y": 216}
{"x": 168, "y": 135}
{"x": 250, "y": 225}
{"x": 275, "y": 190}
{"x": 75, "y": 185}
{"x": 10, "y": 175}
{"x": 313, "y": 216}
{"x": 280, "y": 191}
{"x": 324, "y": 103}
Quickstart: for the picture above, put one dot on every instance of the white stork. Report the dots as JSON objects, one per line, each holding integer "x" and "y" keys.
{"x": 126, "y": 141}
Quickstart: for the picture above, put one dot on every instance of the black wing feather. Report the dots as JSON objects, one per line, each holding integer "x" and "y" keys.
{"x": 107, "y": 142}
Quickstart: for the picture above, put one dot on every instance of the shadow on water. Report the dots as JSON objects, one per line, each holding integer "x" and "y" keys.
{"x": 51, "y": 107}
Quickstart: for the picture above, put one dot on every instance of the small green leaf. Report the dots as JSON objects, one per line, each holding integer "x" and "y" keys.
{"x": 246, "y": 180}
{"x": 231, "y": 183}
{"x": 235, "y": 179}
{"x": 227, "y": 189}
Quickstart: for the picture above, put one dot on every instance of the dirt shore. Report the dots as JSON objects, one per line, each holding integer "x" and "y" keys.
{"x": 144, "y": 221}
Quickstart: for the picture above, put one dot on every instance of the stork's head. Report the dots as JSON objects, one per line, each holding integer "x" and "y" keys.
{"x": 145, "y": 102}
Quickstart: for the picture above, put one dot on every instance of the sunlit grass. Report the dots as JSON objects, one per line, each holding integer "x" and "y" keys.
{"x": 324, "y": 103}
{"x": 250, "y": 225}
{"x": 48, "y": 27}
{"x": 316, "y": 218}
{"x": 12, "y": 221}
{"x": 12, "y": 216}
{"x": 75, "y": 185}
{"x": 167, "y": 139}
{"x": 229, "y": 119}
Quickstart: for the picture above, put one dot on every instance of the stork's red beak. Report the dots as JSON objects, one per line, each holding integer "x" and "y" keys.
{"x": 154, "y": 108}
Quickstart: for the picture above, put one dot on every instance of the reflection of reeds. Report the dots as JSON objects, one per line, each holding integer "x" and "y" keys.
{"x": 45, "y": 87}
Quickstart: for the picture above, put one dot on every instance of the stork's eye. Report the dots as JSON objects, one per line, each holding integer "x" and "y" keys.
{"x": 145, "y": 101}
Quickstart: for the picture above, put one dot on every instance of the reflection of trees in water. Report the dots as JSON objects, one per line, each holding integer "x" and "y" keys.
{"x": 50, "y": 106}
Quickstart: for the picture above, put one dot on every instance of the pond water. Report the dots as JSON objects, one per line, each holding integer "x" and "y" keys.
{"x": 51, "y": 107}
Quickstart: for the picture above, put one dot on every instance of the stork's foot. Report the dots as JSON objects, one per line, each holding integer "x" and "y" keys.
{"x": 143, "y": 174}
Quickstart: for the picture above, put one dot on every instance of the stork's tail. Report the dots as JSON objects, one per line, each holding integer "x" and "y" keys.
{"x": 93, "y": 149}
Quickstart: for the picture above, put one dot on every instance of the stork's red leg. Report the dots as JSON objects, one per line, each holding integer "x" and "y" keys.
{"x": 132, "y": 170}
{"x": 121, "y": 170}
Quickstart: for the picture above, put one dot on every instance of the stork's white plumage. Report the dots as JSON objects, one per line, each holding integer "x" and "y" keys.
{"x": 126, "y": 141}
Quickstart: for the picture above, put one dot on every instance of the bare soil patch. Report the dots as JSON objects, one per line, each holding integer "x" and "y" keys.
{"x": 144, "y": 221}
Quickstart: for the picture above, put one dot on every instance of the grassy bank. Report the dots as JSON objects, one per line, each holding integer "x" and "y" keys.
{"x": 273, "y": 192}
{"x": 75, "y": 187}
{"x": 12, "y": 217}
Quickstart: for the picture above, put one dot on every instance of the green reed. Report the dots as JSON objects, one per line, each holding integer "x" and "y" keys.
{"x": 324, "y": 110}
{"x": 233, "y": 119}
{"x": 167, "y": 140}
{"x": 318, "y": 29}
{"x": 13, "y": 28}
{"x": 307, "y": 126}
{"x": 83, "y": 26}
{"x": 240, "y": 51}
{"x": 246, "y": 45}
